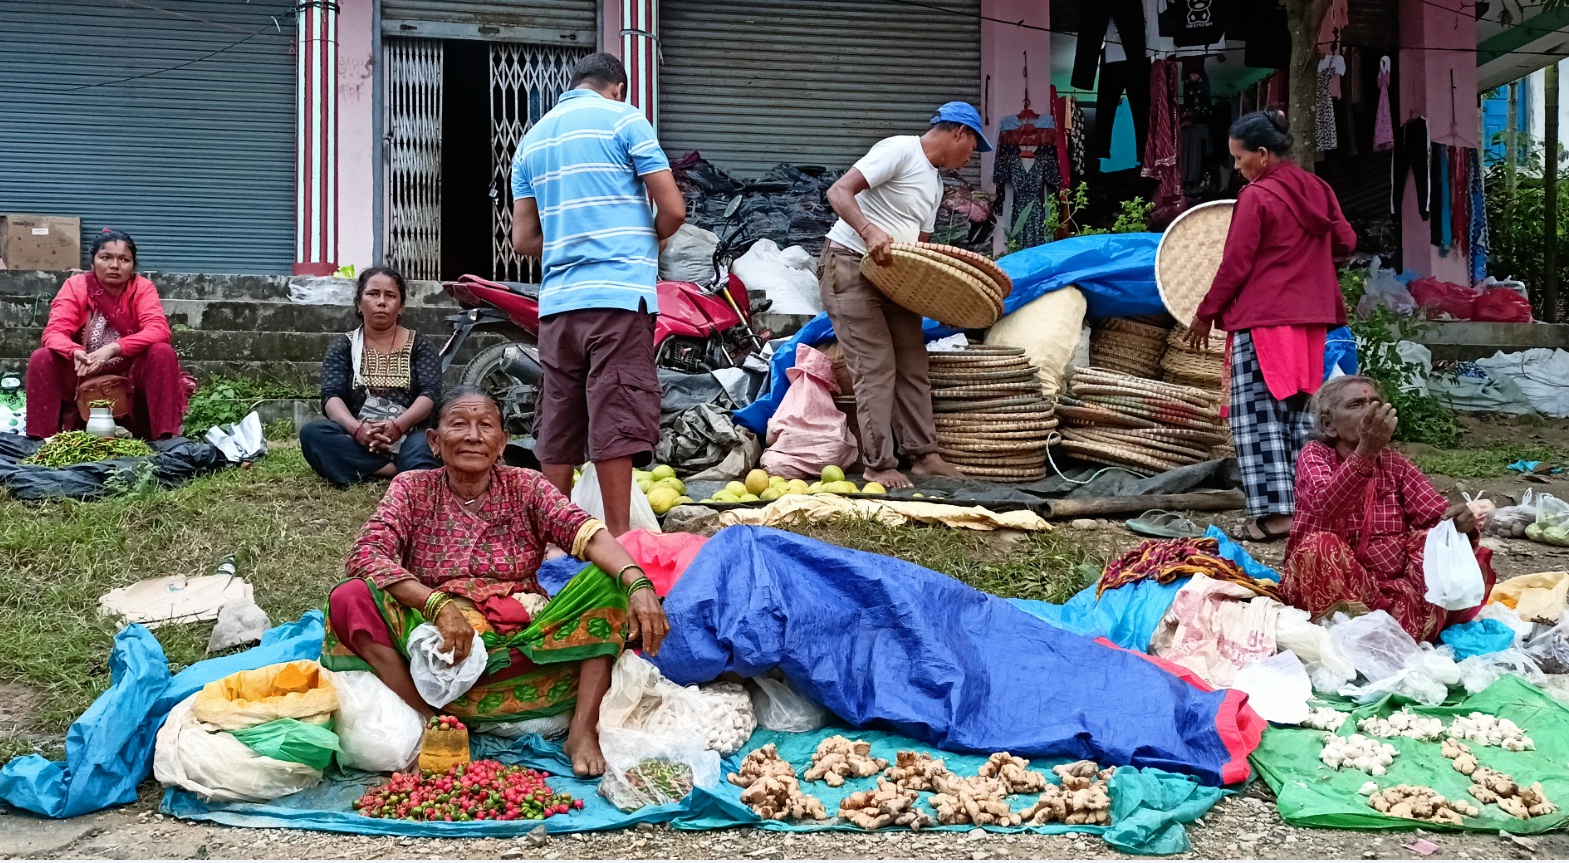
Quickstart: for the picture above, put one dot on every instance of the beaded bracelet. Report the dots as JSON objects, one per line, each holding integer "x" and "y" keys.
{"x": 434, "y": 602}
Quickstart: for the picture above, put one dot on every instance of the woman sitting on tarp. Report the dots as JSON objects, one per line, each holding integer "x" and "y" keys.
{"x": 107, "y": 340}
{"x": 378, "y": 386}
{"x": 1363, "y": 513}
{"x": 460, "y": 547}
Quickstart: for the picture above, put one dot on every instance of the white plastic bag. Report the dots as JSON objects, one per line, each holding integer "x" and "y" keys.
{"x": 718, "y": 716}
{"x": 651, "y": 732}
{"x": 376, "y": 730}
{"x": 1421, "y": 358}
{"x": 1383, "y": 289}
{"x": 548, "y": 727}
{"x": 1479, "y": 672}
{"x": 1425, "y": 679}
{"x": 1327, "y": 667}
{"x": 688, "y": 255}
{"x": 588, "y": 497}
{"x": 786, "y": 276}
{"x": 1541, "y": 373}
{"x": 779, "y": 707}
{"x": 243, "y": 441}
{"x": 1454, "y": 578}
{"x": 1551, "y": 649}
{"x": 215, "y": 766}
{"x": 322, "y": 291}
{"x": 438, "y": 680}
{"x": 1376, "y": 645}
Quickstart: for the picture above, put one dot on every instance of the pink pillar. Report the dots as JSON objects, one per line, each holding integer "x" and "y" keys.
{"x": 357, "y": 146}
{"x": 1003, "y": 46}
{"x": 1438, "y": 82}
{"x": 639, "y": 28}
{"x": 316, "y": 141}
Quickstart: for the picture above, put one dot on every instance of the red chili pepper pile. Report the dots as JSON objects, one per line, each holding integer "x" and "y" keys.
{"x": 446, "y": 723}
{"x": 477, "y": 791}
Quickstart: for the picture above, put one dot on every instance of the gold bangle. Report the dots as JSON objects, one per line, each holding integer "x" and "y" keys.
{"x": 623, "y": 570}
{"x": 433, "y": 603}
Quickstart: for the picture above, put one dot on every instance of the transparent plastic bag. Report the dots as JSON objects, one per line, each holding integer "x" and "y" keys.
{"x": 214, "y": 765}
{"x": 1552, "y": 521}
{"x": 1479, "y": 672}
{"x": 646, "y": 769}
{"x": 587, "y": 496}
{"x": 1449, "y": 567}
{"x": 1551, "y": 649}
{"x": 322, "y": 291}
{"x": 1328, "y": 668}
{"x": 377, "y": 731}
{"x": 438, "y": 680}
{"x": 1425, "y": 678}
{"x": 779, "y": 707}
{"x": 1384, "y": 290}
{"x": 1511, "y": 521}
{"x": 1374, "y": 642}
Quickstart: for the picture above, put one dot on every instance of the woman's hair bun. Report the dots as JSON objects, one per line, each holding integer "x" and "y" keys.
{"x": 1277, "y": 118}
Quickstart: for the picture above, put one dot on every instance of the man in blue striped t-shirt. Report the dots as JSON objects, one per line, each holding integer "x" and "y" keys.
{"x": 581, "y": 184}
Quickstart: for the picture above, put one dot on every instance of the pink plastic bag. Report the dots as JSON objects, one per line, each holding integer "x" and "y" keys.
{"x": 808, "y": 432}
{"x": 1438, "y": 299}
{"x": 662, "y": 556}
{"x": 1501, "y": 305}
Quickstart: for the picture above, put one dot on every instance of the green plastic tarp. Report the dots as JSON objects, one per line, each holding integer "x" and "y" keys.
{"x": 1309, "y": 794}
{"x": 292, "y": 740}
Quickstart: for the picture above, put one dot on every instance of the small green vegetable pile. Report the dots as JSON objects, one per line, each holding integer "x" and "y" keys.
{"x": 661, "y": 779}
{"x": 78, "y": 447}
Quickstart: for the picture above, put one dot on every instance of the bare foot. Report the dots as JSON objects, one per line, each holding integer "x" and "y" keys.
{"x": 583, "y": 748}
{"x": 932, "y": 464}
{"x": 888, "y": 478}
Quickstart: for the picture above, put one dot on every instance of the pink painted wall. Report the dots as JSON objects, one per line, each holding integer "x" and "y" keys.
{"x": 357, "y": 146}
{"x": 1002, "y": 55}
{"x": 1438, "y": 40}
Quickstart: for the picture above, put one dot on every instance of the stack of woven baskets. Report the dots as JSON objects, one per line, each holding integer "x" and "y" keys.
{"x": 1189, "y": 368}
{"x": 948, "y": 284}
{"x": 1128, "y": 346}
{"x": 1144, "y": 425}
{"x": 992, "y": 421}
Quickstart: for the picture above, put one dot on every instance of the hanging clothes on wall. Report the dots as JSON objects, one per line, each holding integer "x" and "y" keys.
{"x": 1059, "y": 113}
{"x": 1112, "y": 42}
{"x": 1193, "y": 22}
{"x": 1440, "y": 227}
{"x": 1413, "y": 155}
{"x": 1325, "y": 137}
{"x": 1478, "y": 221}
{"x": 1078, "y": 151}
{"x": 1029, "y": 185}
{"x": 1161, "y": 151}
{"x": 1383, "y": 123}
{"x": 1197, "y": 150}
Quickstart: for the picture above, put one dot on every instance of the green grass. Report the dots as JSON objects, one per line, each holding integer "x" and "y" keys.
{"x": 289, "y": 530}
{"x": 1486, "y": 463}
{"x": 1048, "y": 565}
{"x": 290, "y": 533}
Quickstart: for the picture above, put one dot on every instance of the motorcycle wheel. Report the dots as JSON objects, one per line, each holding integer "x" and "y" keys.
{"x": 518, "y": 400}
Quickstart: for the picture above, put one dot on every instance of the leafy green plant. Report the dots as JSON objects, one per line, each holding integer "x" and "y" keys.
{"x": 1515, "y": 204}
{"x": 221, "y": 401}
{"x": 1423, "y": 418}
{"x": 1134, "y": 217}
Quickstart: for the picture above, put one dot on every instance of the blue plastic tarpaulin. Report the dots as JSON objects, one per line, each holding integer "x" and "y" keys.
{"x": 1149, "y": 807}
{"x": 881, "y": 642}
{"x": 1116, "y": 272}
{"x": 109, "y": 749}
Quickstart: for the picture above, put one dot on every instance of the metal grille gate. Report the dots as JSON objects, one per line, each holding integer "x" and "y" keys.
{"x": 413, "y": 158}
{"x": 525, "y": 81}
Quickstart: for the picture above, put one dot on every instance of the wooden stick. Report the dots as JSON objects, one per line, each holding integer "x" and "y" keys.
{"x": 1204, "y": 501}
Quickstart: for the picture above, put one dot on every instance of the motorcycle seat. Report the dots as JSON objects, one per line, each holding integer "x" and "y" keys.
{"x": 523, "y": 289}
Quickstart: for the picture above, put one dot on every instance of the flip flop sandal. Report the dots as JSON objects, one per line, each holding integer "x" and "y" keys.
{"x": 1164, "y": 525}
{"x": 1241, "y": 534}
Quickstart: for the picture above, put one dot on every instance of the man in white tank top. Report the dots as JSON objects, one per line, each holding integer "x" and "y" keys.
{"x": 891, "y": 195}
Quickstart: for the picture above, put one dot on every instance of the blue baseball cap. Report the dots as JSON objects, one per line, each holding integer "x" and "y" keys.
{"x": 964, "y": 114}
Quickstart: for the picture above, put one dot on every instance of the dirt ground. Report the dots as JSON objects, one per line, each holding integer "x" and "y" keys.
{"x": 1244, "y": 826}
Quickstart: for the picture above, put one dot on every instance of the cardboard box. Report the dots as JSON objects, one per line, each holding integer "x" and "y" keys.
{"x": 40, "y": 242}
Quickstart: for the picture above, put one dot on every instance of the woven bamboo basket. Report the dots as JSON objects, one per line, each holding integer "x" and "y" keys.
{"x": 1003, "y": 474}
{"x": 1189, "y": 256}
{"x": 980, "y": 262}
{"x": 935, "y": 289}
{"x": 963, "y": 265}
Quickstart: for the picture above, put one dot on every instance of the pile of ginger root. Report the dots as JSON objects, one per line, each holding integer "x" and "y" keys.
{"x": 1082, "y": 798}
{"x": 771, "y": 789}
{"x": 1495, "y": 786}
{"x": 1420, "y": 803}
{"x": 889, "y": 805}
{"x": 837, "y": 758}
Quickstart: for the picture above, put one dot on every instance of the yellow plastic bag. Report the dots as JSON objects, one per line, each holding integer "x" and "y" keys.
{"x": 299, "y": 690}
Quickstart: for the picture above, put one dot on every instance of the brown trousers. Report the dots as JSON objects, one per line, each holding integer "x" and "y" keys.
{"x": 886, "y": 356}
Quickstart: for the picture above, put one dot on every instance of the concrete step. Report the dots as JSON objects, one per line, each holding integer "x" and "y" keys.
{"x": 200, "y": 286}
{"x": 302, "y": 377}
{"x": 239, "y": 345}
{"x": 269, "y": 315}
{"x": 1473, "y": 340}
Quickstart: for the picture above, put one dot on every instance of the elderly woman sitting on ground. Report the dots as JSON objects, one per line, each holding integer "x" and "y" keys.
{"x": 1363, "y": 513}
{"x": 460, "y": 547}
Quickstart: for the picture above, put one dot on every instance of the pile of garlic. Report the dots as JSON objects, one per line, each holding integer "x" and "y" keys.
{"x": 1490, "y": 730}
{"x": 1325, "y": 719}
{"x": 1403, "y": 723}
{"x": 729, "y": 720}
{"x": 1357, "y": 752}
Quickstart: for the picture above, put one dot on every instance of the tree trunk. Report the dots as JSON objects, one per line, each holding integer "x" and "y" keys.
{"x": 1304, "y": 18}
{"x": 1511, "y": 143}
{"x": 1550, "y": 199}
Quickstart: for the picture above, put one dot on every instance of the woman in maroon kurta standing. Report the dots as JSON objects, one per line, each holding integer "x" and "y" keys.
{"x": 107, "y": 321}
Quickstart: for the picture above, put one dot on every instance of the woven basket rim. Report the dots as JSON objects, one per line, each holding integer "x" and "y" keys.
{"x": 986, "y": 390}
{"x": 1155, "y": 448}
{"x": 981, "y": 447}
{"x": 1186, "y": 437}
{"x": 974, "y": 259}
{"x": 964, "y": 376}
{"x": 1131, "y": 327}
{"x": 1197, "y": 396}
{"x": 980, "y": 276}
{"x": 1119, "y": 454}
{"x": 976, "y": 348}
{"x": 1090, "y": 416}
{"x": 998, "y": 431}
{"x": 979, "y": 405}
{"x": 910, "y": 281}
{"x": 1003, "y": 475}
{"x": 1182, "y": 280}
{"x": 1035, "y": 461}
{"x": 1082, "y": 390}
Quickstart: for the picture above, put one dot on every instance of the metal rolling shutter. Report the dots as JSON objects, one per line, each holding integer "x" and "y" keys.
{"x": 752, "y": 83}
{"x": 549, "y": 22}
{"x": 173, "y": 121}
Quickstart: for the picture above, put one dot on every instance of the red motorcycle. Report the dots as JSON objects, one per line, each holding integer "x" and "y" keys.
{"x": 700, "y": 328}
